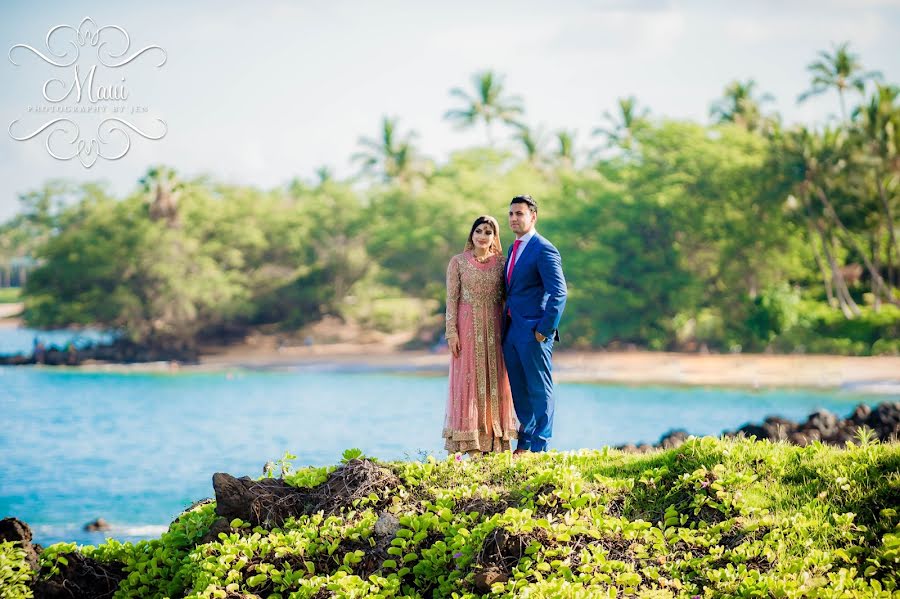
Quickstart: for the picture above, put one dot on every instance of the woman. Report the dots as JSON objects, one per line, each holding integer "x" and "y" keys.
{"x": 480, "y": 417}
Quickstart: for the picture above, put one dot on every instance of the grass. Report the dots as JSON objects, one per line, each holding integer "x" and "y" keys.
{"x": 712, "y": 518}
{"x": 9, "y": 295}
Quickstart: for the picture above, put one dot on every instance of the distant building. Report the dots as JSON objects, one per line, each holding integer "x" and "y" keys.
{"x": 15, "y": 272}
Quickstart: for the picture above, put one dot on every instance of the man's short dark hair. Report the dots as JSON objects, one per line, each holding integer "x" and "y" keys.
{"x": 526, "y": 199}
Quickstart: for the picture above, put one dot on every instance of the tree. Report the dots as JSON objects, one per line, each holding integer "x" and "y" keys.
{"x": 391, "y": 156}
{"x": 565, "y": 153}
{"x": 532, "y": 144}
{"x": 620, "y": 128}
{"x": 740, "y": 105}
{"x": 624, "y": 271}
{"x": 111, "y": 266}
{"x": 841, "y": 71}
{"x": 324, "y": 174}
{"x": 163, "y": 189}
{"x": 878, "y": 132}
{"x": 38, "y": 220}
{"x": 837, "y": 214}
{"x": 487, "y": 104}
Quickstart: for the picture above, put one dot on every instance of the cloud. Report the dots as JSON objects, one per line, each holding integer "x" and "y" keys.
{"x": 860, "y": 28}
{"x": 623, "y": 31}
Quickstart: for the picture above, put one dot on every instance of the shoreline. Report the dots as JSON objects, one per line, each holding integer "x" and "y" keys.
{"x": 10, "y": 313}
{"x": 876, "y": 375}
{"x": 868, "y": 375}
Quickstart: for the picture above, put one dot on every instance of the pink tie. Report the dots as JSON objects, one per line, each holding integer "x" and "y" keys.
{"x": 512, "y": 259}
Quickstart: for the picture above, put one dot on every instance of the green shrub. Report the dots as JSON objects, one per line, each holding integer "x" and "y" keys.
{"x": 391, "y": 315}
{"x": 9, "y": 295}
{"x": 823, "y": 329}
{"x": 886, "y": 347}
{"x": 772, "y": 312}
{"x": 15, "y": 574}
{"x": 712, "y": 518}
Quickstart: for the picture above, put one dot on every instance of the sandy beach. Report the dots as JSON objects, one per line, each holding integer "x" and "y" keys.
{"x": 865, "y": 374}
{"x": 9, "y": 314}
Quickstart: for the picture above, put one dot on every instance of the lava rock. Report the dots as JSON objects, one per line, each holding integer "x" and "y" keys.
{"x": 673, "y": 439}
{"x": 885, "y": 420}
{"x": 822, "y": 425}
{"x": 13, "y": 529}
{"x": 825, "y": 422}
{"x": 861, "y": 413}
{"x": 97, "y": 525}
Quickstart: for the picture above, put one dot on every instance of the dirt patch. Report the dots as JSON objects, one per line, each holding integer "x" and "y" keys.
{"x": 269, "y": 502}
{"x": 503, "y": 549}
{"x": 81, "y": 578}
{"x": 485, "y": 507}
{"x": 616, "y": 506}
{"x": 737, "y": 536}
{"x": 355, "y": 480}
{"x": 499, "y": 554}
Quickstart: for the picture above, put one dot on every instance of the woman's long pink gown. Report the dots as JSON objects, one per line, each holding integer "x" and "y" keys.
{"x": 480, "y": 414}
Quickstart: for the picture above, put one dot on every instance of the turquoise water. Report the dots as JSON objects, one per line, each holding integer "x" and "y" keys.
{"x": 136, "y": 449}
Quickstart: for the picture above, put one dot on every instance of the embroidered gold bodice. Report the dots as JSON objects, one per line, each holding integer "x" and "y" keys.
{"x": 473, "y": 283}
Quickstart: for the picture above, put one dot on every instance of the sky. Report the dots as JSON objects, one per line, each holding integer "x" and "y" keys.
{"x": 259, "y": 93}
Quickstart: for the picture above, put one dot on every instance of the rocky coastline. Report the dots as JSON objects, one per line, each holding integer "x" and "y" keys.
{"x": 881, "y": 423}
{"x": 270, "y": 502}
{"x": 117, "y": 352}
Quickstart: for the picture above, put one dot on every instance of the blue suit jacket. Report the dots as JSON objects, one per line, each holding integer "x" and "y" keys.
{"x": 536, "y": 292}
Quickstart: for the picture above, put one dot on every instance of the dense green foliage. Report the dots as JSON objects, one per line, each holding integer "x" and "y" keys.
{"x": 15, "y": 573}
{"x": 712, "y": 518}
{"x": 738, "y": 235}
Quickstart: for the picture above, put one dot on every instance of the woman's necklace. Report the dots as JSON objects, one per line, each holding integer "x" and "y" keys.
{"x": 483, "y": 259}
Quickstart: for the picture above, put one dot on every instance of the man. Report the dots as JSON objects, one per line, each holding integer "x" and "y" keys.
{"x": 535, "y": 299}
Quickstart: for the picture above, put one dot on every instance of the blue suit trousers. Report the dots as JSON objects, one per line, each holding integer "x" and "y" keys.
{"x": 531, "y": 382}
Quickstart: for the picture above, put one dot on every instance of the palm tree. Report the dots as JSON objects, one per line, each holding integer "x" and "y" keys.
{"x": 880, "y": 121}
{"x": 532, "y": 143}
{"x": 391, "y": 156}
{"x": 822, "y": 160}
{"x": 741, "y": 105}
{"x": 620, "y": 129}
{"x": 566, "y": 152}
{"x": 808, "y": 156}
{"x": 487, "y": 104}
{"x": 879, "y": 132}
{"x": 841, "y": 71}
{"x": 324, "y": 174}
{"x": 163, "y": 189}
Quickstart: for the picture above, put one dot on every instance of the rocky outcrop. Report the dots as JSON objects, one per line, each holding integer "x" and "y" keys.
{"x": 883, "y": 423}
{"x": 97, "y": 525}
{"x": 829, "y": 428}
{"x": 79, "y": 577}
{"x": 118, "y": 352}
{"x": 16, "y": 531}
